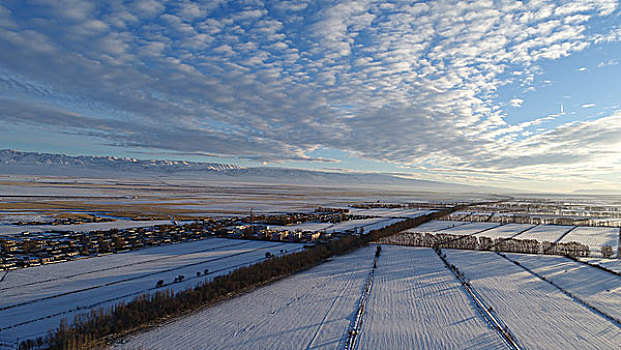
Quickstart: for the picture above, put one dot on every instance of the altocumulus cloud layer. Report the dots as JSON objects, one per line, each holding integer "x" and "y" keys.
{"x": 412, "y": 84}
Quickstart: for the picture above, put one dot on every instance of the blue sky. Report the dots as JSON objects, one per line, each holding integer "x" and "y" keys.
{"x": 459, "y": 91}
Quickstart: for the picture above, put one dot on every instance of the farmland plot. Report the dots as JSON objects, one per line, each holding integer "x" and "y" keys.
{"x": 611, "y": 264}
{"x": 544, "y": 233}
{"x": 506, "y": 231}
{"x": 34, "y": 300}
{"x": 597, "y": 288}
{"x": 366, "y": 224}
{"x": 416, "y": 303}
{"x": 391, "y": 212}
{"x": 537, "y": 313}
{"x": 595, "y": 238}
{"x": 310, "y": 310}
{"x": 7, "y": 229}
{"x": 436, "y": 225}
{"x": 471, "y": 228}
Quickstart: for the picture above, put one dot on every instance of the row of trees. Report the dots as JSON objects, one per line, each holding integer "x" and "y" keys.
{"x": 90, "y": 330}
{"x": 510, "y": 245}
{"x": 407, "y": 224}
{"x": 531, "y": 219}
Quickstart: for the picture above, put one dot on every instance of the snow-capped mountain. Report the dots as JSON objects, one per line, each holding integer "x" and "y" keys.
{"x": 10, "y": 158}
{"x": 32, "y": 163}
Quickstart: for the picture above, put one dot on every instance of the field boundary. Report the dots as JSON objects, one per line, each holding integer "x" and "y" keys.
{"x": 134, "y": 278}
{"x": 566, "y": 292}
{"x": 487, "y": 312}
{"x": 91, "y": 306}
{"x": 323, "y": 320}
{"x": 356, "y": 323}
{"x": 125, "y": 265}
{"x": 597, "y": 266}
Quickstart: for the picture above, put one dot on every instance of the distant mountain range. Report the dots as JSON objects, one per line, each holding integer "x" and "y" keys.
{"x": 9, "y": 157}
{"x": 32, "y": 163}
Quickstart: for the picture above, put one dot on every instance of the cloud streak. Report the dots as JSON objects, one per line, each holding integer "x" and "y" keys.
{"x": 414, "y": 85}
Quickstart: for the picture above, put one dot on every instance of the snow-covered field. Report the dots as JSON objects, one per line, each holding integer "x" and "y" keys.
{"x": 537, "y": 313}
{"x": 417, "y": 303}
{"x": 454, "y": 227}
{"x": 544, "y": 233}
{"x": 87, "y": 227}
{"x": 436, "y": 225}
{"x": 595, "y": 238}
{"x": 366, "y": 224}
{"x": 597, "y": 288}
{"x": 310, "y": 310}
{"x": 390, "y": 212}
{"x": 471, "y": 228}
{"x": 34, "y": 300}
{"x": 611, "y": 264}
{"x": 506, "y": 231}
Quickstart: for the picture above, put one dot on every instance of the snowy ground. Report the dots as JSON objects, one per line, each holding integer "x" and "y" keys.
{"x": 414, "y": 303}
{"x": 417, "y": 303}
{"x": 537, "y": 313}
{"x": 390, "y": 212}
{"x": 506, "y": 231}
{"x": 34, "y": 300}
{"x": 92, "y": 226}
{"x": 611, "y": 264}
{"x": 471, "y": 228}
{"x": 544, "y": 233}
{"x": 366, "y": 224}
{"x": 436, "y": 225}
{"x": 595, "y": 238}
{"x": 597, "y": 288}
{"x": 310, "y": 310}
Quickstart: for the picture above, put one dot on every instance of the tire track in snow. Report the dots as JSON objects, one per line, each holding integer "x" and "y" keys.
{"x": 356, "y": 322}
{"x": 487, "y": 312}
{"x": 350, "y": 281}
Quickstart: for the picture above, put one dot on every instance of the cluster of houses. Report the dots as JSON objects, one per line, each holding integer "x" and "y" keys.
{"x": 33, "y": 249}
{"x": 264, "y": 232}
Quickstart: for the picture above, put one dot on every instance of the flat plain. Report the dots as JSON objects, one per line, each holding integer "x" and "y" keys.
{"x": 35, "y": 299}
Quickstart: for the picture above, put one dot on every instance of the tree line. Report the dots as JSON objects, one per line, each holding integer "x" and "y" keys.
{"x": 470, "y": 242}
{"x": 92, "y": 329}
{"x": 88, "y": 330}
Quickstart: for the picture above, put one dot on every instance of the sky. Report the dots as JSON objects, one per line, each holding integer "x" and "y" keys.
{"x": 519, "y": 94}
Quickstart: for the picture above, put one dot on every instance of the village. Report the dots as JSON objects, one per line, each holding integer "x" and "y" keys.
{"x": 29, "y": 249}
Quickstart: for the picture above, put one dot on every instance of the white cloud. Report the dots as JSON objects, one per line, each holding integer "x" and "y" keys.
{"x": 411, "y": 84}
{"x": 588, "y": 105}
{"x": 516, "y": 102}
{"x": 612, "y": 62}
{"x": 148, "y": 8}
